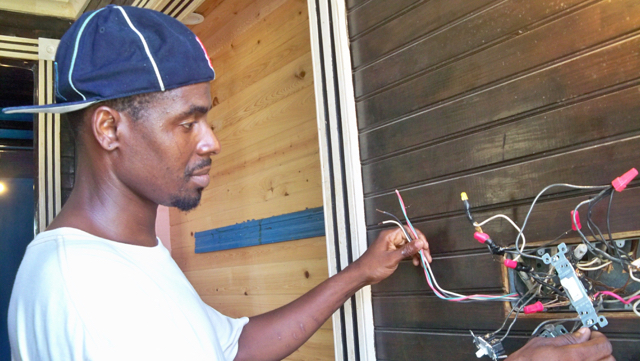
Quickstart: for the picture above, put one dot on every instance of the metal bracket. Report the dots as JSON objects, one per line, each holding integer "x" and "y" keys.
{"x": 574, "y": 288}
{"x": 551, "y": 331}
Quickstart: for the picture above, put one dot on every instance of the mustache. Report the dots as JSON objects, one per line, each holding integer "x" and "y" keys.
{"x": 196, "y": 167}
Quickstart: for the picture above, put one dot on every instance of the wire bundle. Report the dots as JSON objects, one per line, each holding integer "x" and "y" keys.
{"x": 431, "y": 280}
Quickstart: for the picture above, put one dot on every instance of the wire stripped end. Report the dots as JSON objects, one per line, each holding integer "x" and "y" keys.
{"x": 621, "y": 182}
{"x": 575, "y": 225}
{"x": 536, "y": 307}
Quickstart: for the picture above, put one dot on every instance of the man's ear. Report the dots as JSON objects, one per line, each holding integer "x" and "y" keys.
{"x": 104, "y": 124}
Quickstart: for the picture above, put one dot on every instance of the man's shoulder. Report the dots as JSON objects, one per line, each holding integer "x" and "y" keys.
{"x": 56, "y": 259}
{"x": 63, "y": 247}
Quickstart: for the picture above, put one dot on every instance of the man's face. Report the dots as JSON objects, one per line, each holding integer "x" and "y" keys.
{"x": 166, "y": 153}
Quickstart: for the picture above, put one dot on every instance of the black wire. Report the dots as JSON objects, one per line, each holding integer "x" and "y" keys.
{"x": 615, "y": 246}
{"x": 554, "y": 289}
{"x": 609, "y": 244}
{"x": 467, "y": 208}
{"x": 608, "y": 214}
{"x": 549, "y": 243}
{"x": 390, "y": 215}
{"x": 590, "y": 222}
{"x": 590, "y": 245}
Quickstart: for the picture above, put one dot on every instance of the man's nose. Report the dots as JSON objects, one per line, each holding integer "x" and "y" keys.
{"x": 209, "y": 143}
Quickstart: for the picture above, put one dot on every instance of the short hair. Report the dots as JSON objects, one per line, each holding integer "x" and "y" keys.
{"x": 134, "y": 105}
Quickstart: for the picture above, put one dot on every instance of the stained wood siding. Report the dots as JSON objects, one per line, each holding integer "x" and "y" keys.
{"x": 498, "y": 99}
{"x": 264, "y": 117}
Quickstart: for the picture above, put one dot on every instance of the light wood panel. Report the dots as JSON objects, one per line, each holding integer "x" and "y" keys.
{"x": 264, "y": 117}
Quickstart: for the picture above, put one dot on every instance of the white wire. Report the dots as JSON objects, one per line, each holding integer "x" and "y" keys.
{"x": 589, "y": 263}
{"x": 632, "y": 276}
{"x": 453, "y": 294}
{"x": 406, "y": 235}
{"x": 635, "y": 308}
{"x": 526, "y": 218}
{"x": 433, "y": 278}
{"x": 524, "y": 241}
{"x": 594, "y": 268}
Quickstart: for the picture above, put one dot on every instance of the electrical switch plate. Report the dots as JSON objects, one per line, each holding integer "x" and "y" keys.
{"x": 574, "y": 289}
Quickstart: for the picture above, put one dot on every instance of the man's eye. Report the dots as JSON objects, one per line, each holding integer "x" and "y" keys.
{"x": 187, "y": 125}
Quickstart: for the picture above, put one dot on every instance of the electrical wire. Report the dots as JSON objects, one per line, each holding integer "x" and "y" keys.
{"x": 595, "y": 260}
{"x": 526, "y": 219}
{"x": 515, "y": 306}
{"x": 524, "y": 241}
{"x": 542, "y": 283}
{"x": 631, "y": 274}
{"x": 431, "y": 280}
{"x": 550, "y": 242}
{"x": 594, "y": 268}
{"x": 635, "y": 308}
{"x": 611, "y": 294}
{"x": 609, "y": 213}
{"x": 557, "y": 320}
{"x": 590, "y": 245}
{"x": 441, "y": 293}
{"x": 626, "y": 298}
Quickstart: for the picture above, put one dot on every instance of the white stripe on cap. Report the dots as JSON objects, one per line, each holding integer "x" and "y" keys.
{"x": 75, "y": 51}
{"x": 146, "y": 47}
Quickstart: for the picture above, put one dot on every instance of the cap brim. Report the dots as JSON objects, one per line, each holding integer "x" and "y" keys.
{"x": 50, "y": 108}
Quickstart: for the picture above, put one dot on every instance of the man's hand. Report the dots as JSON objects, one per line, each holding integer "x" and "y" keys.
{"x": 382, "y": 257}
{"x": 583, "y": 345}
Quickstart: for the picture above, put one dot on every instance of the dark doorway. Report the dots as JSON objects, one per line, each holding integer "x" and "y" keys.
{"x": 17, "y": 175}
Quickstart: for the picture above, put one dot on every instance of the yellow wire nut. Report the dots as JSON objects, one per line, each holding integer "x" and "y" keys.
{"x": 463, "y": 196}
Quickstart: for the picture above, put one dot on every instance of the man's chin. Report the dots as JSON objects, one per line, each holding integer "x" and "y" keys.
{"x": 186, "y": 203}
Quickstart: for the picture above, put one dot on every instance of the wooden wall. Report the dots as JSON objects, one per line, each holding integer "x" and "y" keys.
{"x": 264, "y": 116}
{"x": 498, "y": 99}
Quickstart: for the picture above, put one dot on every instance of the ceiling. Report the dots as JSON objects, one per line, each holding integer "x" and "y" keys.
{"x": 67, "y": 9}
{"x": 72, "y": 9}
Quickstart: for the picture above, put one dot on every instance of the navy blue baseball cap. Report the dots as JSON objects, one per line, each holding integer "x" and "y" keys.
{"x": 118, "y": 51}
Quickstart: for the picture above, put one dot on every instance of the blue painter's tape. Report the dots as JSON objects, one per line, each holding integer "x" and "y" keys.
{"x": 287, "y": 227}
{"x": 16, "y": 117}
{"x": 16, "y": 134}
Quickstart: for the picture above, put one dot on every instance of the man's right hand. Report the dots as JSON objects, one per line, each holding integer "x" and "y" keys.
{"x": 583, "y": 345}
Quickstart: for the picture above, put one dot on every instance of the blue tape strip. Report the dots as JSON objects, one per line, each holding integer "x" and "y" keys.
{"x": 16, "y": 117}
{"x": 287, "y": 227}
{"x": 16, "y": 134}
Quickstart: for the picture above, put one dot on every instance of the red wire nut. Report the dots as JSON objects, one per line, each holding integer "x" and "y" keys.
{"x": 510, "y": 263}
{"x": 481, "y": 237}
{"x": 621, "y": 182}
{"x": 536, "y": 307}
{"x": 573, "y": 225}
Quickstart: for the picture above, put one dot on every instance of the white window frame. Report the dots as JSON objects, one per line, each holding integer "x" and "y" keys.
{"x": 345, "y": 225}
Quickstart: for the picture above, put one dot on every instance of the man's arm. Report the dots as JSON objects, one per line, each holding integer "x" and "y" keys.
{"x": 276, "y": 334}
{"x": 583, "y": 345}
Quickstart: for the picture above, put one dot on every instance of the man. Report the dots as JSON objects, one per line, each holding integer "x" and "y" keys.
{"x": 97, "y": 284}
